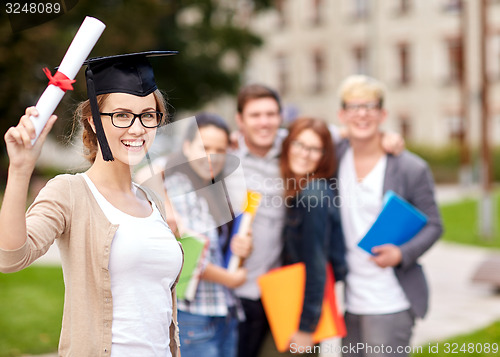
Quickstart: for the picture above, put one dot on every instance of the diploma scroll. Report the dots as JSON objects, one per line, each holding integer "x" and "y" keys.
{"x": 83, "y": 42}
{"x": 243, "y": 224}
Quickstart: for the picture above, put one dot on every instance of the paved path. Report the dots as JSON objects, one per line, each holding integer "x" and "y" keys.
{"x": 451, "y": 193}
{"x": 50, "y": 258}
{"x": 457, "y": 305}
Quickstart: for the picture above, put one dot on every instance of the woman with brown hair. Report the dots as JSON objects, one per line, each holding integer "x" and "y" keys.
{"x": 120, "y": 259}
{"x": 312, "y": 232}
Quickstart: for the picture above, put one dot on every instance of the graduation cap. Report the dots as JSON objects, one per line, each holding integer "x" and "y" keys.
{"x": 128, "y": 73}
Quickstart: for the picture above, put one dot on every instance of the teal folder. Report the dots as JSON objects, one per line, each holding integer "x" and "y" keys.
{"x": 398, "y": 222}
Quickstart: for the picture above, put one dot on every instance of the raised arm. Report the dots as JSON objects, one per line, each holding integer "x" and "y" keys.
{"x": 392, "y": 142}
{"x": 22, "y": 159}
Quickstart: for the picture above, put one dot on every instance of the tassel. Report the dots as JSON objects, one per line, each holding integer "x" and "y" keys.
{"x": 101, "y": 137}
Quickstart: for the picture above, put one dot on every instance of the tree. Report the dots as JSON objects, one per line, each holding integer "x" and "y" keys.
{"x": 211, "y": 36}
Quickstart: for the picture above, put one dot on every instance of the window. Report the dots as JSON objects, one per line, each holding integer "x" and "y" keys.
{"x": 403, "y": 53}
{"x": 280, "y": 6}
{"x": 454, "y": 6}
{"x": 283, "y": 72}
{"x": 496, "y": 56}
{"x": 360, "y": 9}
{"x": 454, "y": 48}
{"x": 495, "y": 123}
{"x": 455, "y": 127}
{"x": 404, "y": 6}
{"x": 317, "y": 12}
{"x": 360, "y": 56}
{"x": 493, "y": 56}
{"x": 319, "y": 71}
{"x": 405, "y": 126}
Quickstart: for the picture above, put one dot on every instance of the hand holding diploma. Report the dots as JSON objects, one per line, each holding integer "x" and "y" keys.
{"x": 245, "y": 223}
{"x": 242, "y": 246}
{"x": 22, "y": 153}
{"x": 85, "y": 39}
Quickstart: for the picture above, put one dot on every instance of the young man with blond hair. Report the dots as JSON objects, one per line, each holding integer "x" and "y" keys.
{"x": 385, "y": 290}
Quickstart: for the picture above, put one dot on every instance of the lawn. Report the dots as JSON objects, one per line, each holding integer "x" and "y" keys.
{"x": 31, "y": 303}
{"x": 484, "y": 342}
{"x": 461, "y": 223}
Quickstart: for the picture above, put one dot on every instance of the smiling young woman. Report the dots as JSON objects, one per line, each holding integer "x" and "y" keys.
{"x": 312, "y": 232}
{"x": 84, "y": 112}
{"x": 386, "y": 290}
{"x": 120, "y": 260}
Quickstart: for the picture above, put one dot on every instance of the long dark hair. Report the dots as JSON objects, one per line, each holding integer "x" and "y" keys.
{"x": 204, "y": 119}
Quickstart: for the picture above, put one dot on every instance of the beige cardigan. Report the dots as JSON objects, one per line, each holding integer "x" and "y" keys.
{"x": 66, "y": 210}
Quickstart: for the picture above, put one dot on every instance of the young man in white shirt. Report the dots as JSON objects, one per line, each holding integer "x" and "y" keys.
{"x": 385, "y": 291}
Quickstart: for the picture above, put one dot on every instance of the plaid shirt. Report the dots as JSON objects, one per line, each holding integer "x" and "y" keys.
{"x": 211, "y": 299}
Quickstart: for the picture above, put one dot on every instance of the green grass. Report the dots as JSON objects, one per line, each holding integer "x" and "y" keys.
{"x": 466, "y": 345}
{"x": 31, "y": 304}
{"x": 460, "y": 222}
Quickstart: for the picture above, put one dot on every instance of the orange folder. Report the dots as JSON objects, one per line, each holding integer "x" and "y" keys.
{"x": 282, "y": 294}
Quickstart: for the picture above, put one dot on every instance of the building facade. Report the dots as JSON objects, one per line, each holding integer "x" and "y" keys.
{"x": 426, "y": 52}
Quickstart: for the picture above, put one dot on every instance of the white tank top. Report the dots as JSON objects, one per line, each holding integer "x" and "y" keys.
{"x": 144, "y": 262}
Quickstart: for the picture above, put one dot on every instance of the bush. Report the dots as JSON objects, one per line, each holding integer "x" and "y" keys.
{"x": 445, "y": 161}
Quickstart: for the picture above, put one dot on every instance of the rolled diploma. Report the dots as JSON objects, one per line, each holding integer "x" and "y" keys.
{"x": 85, "y": 39}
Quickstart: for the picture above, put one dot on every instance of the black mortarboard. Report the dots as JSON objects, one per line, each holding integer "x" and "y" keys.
{"x": 129, "y": 73}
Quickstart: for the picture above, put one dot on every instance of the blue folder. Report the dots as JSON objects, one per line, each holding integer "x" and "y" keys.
{"x": 398, "y": 222}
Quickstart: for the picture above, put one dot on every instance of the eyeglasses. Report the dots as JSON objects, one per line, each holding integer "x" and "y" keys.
{"x": 311, "y": 150}
{"x": 126, "y": 119}
{"x": 369, "y": 107}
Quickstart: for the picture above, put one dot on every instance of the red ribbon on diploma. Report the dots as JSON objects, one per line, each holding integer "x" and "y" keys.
{"x": 59, "y": 80}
